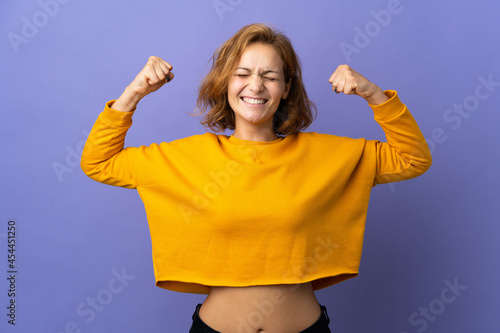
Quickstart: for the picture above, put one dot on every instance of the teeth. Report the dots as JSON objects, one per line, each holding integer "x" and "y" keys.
{"x": 254, "y": 101}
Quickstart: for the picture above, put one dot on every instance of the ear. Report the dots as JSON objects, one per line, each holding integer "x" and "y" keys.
{"x": 288, "y": 86}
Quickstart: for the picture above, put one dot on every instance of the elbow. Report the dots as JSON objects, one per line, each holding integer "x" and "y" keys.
{"x": 86, "y": 164}
{"x": 90, "y": 164}
{"x": 428, "y": 163}
{"x": 426, "y": 160}
{"x": 423, "y": 167}
{"x": 421, "y": 163}
{"x": 94, "y": 172}
{"x": 88, "y": 168}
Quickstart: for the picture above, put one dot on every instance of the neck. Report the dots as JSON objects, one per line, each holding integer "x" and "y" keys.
{"x": 255, "y": 134}
{"x": 259, "y": 138}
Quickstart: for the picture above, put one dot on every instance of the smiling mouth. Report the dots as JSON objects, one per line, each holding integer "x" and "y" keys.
{"x": 254, "y": 101}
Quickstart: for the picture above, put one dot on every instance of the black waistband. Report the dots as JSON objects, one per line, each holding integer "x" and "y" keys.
{"x": 323, "y": 321}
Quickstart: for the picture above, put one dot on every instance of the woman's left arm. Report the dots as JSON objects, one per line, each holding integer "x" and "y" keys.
{"x": 406, "y": 154}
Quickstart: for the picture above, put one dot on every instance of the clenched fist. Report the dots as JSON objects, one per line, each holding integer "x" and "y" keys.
{"x": 152, "y": 77}
{"x": 347, "y": 80}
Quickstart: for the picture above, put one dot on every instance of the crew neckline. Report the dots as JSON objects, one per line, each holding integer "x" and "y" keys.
{"x": 234, "y": 139}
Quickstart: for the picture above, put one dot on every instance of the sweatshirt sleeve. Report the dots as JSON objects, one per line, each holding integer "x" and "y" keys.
{"x": 406, "y": 154}
{"x": 103, "y": 158}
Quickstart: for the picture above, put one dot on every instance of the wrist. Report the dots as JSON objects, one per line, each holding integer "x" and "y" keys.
{"x": 377, "y": 97}
{"x": 128, "y": 100}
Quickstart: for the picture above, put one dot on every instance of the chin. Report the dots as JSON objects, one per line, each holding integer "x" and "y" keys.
{"x": 256, "y": 119}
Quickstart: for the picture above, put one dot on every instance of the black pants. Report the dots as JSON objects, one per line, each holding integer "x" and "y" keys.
{"x": 320, "y": 326}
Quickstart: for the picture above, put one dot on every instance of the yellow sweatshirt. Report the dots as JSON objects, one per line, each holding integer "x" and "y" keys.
{"x": 223, "y": 211}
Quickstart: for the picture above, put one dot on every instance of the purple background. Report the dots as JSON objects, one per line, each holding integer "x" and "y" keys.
{"x": 73, "y": 233}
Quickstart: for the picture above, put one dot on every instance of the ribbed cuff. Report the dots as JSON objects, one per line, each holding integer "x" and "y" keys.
{"x": 390, "y": 108}
{"x": 115, "y": 117}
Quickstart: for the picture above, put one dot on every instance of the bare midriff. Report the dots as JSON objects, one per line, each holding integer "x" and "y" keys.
{"x": 261, "y": 309}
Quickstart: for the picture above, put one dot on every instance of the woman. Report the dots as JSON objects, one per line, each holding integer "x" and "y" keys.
{"x": 260, "y": 219}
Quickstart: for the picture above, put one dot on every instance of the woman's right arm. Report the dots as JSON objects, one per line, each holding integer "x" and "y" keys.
{"x": 103, "y": 158}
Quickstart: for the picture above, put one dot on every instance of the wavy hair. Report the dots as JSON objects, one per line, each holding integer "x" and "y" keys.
{"x": 295, "y": 113}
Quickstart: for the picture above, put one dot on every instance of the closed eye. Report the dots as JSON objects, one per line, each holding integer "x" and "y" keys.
{"x": 267, "y": 78}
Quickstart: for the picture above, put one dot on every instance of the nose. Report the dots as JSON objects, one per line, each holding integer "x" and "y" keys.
{"x": 255, "y": 83}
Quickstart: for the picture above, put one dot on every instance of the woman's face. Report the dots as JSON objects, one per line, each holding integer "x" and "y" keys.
{"x": 257, "y": 86}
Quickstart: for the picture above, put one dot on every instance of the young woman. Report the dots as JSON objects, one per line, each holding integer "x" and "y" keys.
{"x": 262, "y": 218}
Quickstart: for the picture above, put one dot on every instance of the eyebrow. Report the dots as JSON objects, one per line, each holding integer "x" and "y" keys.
{"x": 265, "y": 72}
